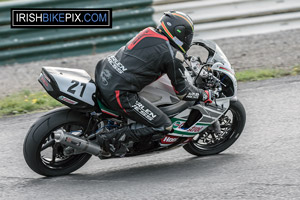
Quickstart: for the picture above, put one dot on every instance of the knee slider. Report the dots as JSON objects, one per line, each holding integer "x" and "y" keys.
{"x": 169, "y": 128}
{"x": 164, "y": 129}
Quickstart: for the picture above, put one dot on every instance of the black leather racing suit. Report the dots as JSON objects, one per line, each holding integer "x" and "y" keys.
{"x": 140, "y": 62}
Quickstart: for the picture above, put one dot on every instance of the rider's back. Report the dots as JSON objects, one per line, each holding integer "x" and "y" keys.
{"x": 140, "y": 62}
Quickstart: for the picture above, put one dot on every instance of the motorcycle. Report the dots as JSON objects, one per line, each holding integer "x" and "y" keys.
{"x": 63, "y": 140}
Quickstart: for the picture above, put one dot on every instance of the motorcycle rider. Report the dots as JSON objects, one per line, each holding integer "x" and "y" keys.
{"x": 149, "y": 55}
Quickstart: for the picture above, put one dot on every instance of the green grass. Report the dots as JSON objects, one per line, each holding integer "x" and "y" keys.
{"x": 25, "y": 102}
{"x": 262, "y": 74}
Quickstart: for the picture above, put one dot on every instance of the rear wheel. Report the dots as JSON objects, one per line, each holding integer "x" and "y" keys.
{"x": 46, "y": 157}
{"x": 209, "y": 143}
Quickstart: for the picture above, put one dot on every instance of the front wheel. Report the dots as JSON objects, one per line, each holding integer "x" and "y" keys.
{"x": 232, "y": 124}
{"x": 46, "y": 157}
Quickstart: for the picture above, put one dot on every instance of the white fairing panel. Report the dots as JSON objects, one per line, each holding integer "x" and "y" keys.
{"x": 74, "y": 82}
{"x": 226, "y": 69}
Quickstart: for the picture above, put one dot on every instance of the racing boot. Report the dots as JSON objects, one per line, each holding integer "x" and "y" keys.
{"x": 112, "y": 142}
{"x": 116, "y": 141}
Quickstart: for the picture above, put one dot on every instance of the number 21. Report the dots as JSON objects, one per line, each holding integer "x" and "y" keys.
{"x": 75, "y": 84}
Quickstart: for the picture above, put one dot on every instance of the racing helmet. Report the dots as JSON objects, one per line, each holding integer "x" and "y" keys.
{"x": 179, "y": 29}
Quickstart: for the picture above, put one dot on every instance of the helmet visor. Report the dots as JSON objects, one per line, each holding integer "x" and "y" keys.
{"x": 189, "y": 39}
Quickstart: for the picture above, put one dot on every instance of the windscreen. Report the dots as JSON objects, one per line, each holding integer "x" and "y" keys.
{"x": 219, "y": 56}
{"x": 216, "y": 54}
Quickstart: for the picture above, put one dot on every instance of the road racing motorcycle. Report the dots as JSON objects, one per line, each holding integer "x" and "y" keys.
{"x": 63, "y": 140}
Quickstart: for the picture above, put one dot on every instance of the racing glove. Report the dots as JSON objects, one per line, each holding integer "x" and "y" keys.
{"x": 196, "y": 94}
{"x": 207, "y": 96}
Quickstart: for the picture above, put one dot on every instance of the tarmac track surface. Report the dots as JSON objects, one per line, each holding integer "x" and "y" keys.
{"x": 263, "y": 164}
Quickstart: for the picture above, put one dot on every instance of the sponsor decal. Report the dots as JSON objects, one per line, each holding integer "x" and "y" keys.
{"x": 105, "y": 76}
{"x": 193, "y": 129}
{"x": 65, "y": 99}
{"x": 61, "y": 18}
{"x": 169, "y": 139}
{"x": 192, "y": 95}
{"x": 48, "y": 79}
{"x": 140, "y": 108}
{"x": 177, "y": 41}
{"x": 69, "y": 140}
{"x": 116, "y": 64}
{"x": 44, "y": 80}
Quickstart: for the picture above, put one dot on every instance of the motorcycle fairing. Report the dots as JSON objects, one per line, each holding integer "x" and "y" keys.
{"x": 72, "y": 87}
{"x": 222, "y": 65}
{"x": 59, "y": 83}
{"x": 179, "y": 111}
{"x": 210, "y": 114}
{"x": 227, "y": 76}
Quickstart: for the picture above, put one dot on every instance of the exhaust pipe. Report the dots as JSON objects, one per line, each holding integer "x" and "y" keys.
{"x": 77, "y": 143}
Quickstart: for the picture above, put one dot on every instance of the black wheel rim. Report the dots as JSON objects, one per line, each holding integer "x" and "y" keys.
{"x": 208, "y": 140}
{"x": 51, "y": 153}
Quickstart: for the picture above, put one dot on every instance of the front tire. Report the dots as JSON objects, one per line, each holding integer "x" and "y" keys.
{"x": 40, "y": 141}
{"x": 208, "y": 143}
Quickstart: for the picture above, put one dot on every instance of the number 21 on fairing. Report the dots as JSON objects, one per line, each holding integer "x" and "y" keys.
{"x": 72, "y": 89}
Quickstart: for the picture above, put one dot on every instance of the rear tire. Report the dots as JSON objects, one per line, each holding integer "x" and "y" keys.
{"x": 238, "y": 123}
{"x": 39, "y": 134}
